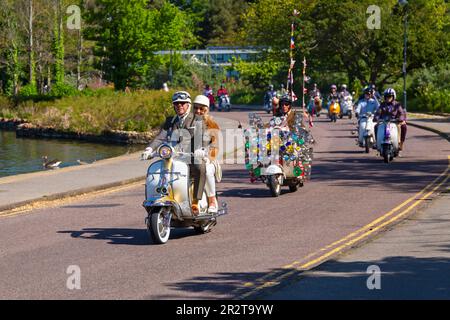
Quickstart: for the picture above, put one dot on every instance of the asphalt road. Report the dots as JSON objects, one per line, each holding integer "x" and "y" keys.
{"x": 105, "y": 236}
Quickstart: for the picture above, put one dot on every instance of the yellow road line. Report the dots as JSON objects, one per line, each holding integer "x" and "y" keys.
{"x": 370, "y": 226}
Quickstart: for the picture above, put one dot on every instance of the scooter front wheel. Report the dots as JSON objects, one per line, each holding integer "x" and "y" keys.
{"x": 158, "y": 225}
{"x": 367, "y": 144}
{"x": 274, "y": 186}
{"x": 386, "y": 155}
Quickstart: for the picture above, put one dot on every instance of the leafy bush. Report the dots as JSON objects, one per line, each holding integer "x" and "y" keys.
{"x": 430, "y": 89}
{"x": 106, "y": 110}
{"x": 258, "y": 74}
{"x": 62, "y": 90}
{"x": 28, "y": 92}
{"x": 247, "y": 96}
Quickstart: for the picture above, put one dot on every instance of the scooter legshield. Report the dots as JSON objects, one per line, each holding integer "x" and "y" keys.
{"x": 177, "y": 181}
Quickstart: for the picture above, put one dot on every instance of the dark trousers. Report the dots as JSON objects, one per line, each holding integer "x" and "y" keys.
{"x": 198, "y": 173}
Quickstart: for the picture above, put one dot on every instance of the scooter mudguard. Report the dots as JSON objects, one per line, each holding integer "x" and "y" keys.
{"x": 151, "y": 203}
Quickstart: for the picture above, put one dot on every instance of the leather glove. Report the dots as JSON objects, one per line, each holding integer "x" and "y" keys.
{"x": 147, "y": 154}
{"x": 200, "y": 153}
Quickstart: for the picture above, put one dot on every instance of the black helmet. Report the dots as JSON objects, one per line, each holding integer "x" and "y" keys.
{"x": 285, "y": 98}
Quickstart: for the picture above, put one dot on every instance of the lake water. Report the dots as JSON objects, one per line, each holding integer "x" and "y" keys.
{"x": 19, "y": 155}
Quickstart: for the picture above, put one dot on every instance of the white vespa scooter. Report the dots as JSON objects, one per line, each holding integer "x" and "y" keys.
{"x": 224, "y": 103}
{"x": 388, "y": 139}
{"x": 169, "y": 193}
{"x": 366, "y": 132}
{"x": 346, "y": 107}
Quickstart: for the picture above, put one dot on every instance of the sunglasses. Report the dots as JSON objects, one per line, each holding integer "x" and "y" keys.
{"x": 180, "y": 103}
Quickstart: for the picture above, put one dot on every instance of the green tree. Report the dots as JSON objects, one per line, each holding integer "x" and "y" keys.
{"x": 58, "y": 45}
{"x": 10, "y": 43}
{"x": 216, "y": 22}
{"x": 128, "y": 33}
{"x": 334, "y": 36}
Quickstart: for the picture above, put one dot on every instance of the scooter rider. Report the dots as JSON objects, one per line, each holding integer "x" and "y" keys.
{"x": 269, "y": 95}
{"x": 344, "y": 92}
{"x": 367, "y": 104}
{"x": 285, "y": 110}
{"x": 315, "y": 92}
{"x": 201, "y": 108}
{"x": 333, "y": 95}
{"x": 222, "y": 91}
{"x": 393, "y": 109}
{"x": 184, "y": 120}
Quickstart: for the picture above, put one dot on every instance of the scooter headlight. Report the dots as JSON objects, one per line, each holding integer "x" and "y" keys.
{"x": 165, "y": 152}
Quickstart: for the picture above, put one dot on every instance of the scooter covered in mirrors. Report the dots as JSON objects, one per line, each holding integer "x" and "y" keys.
{"x": 276, "y": 156}
{"x": 388, "y": 139}
{"x": 169, "y": 193}
{"x": 366, "y": 131}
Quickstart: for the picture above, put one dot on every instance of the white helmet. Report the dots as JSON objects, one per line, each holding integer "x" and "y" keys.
{"x": 390, "y": 92}
{"x": 181, "y": 96}
{"x": 202, "y": 100}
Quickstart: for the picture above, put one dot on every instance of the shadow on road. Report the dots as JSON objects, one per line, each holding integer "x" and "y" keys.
{"x": 402, "y": 277}
{"x": 94, "y": 206}
{"x": 125, "y": 236}
{"x": 403, "y": 175}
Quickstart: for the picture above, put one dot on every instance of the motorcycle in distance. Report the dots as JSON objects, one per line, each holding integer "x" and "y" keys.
{"x": 293, "y": 166}
{"x": 268, "y": 105}
{"x": 168, "y": 197}
{"x": 388, "y": 139}
{"x": 347, "y": 107}
{"x": 334, "y": 110}
{"x": 224, "y": 103}
{"x": 366, "y": 131}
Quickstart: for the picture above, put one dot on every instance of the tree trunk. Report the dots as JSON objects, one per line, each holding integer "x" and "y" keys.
{"x": 32, "y": 78}
{"x": 80, "y": 51}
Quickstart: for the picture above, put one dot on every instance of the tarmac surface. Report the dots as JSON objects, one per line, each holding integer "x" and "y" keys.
{"x": 259, "y": 250}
